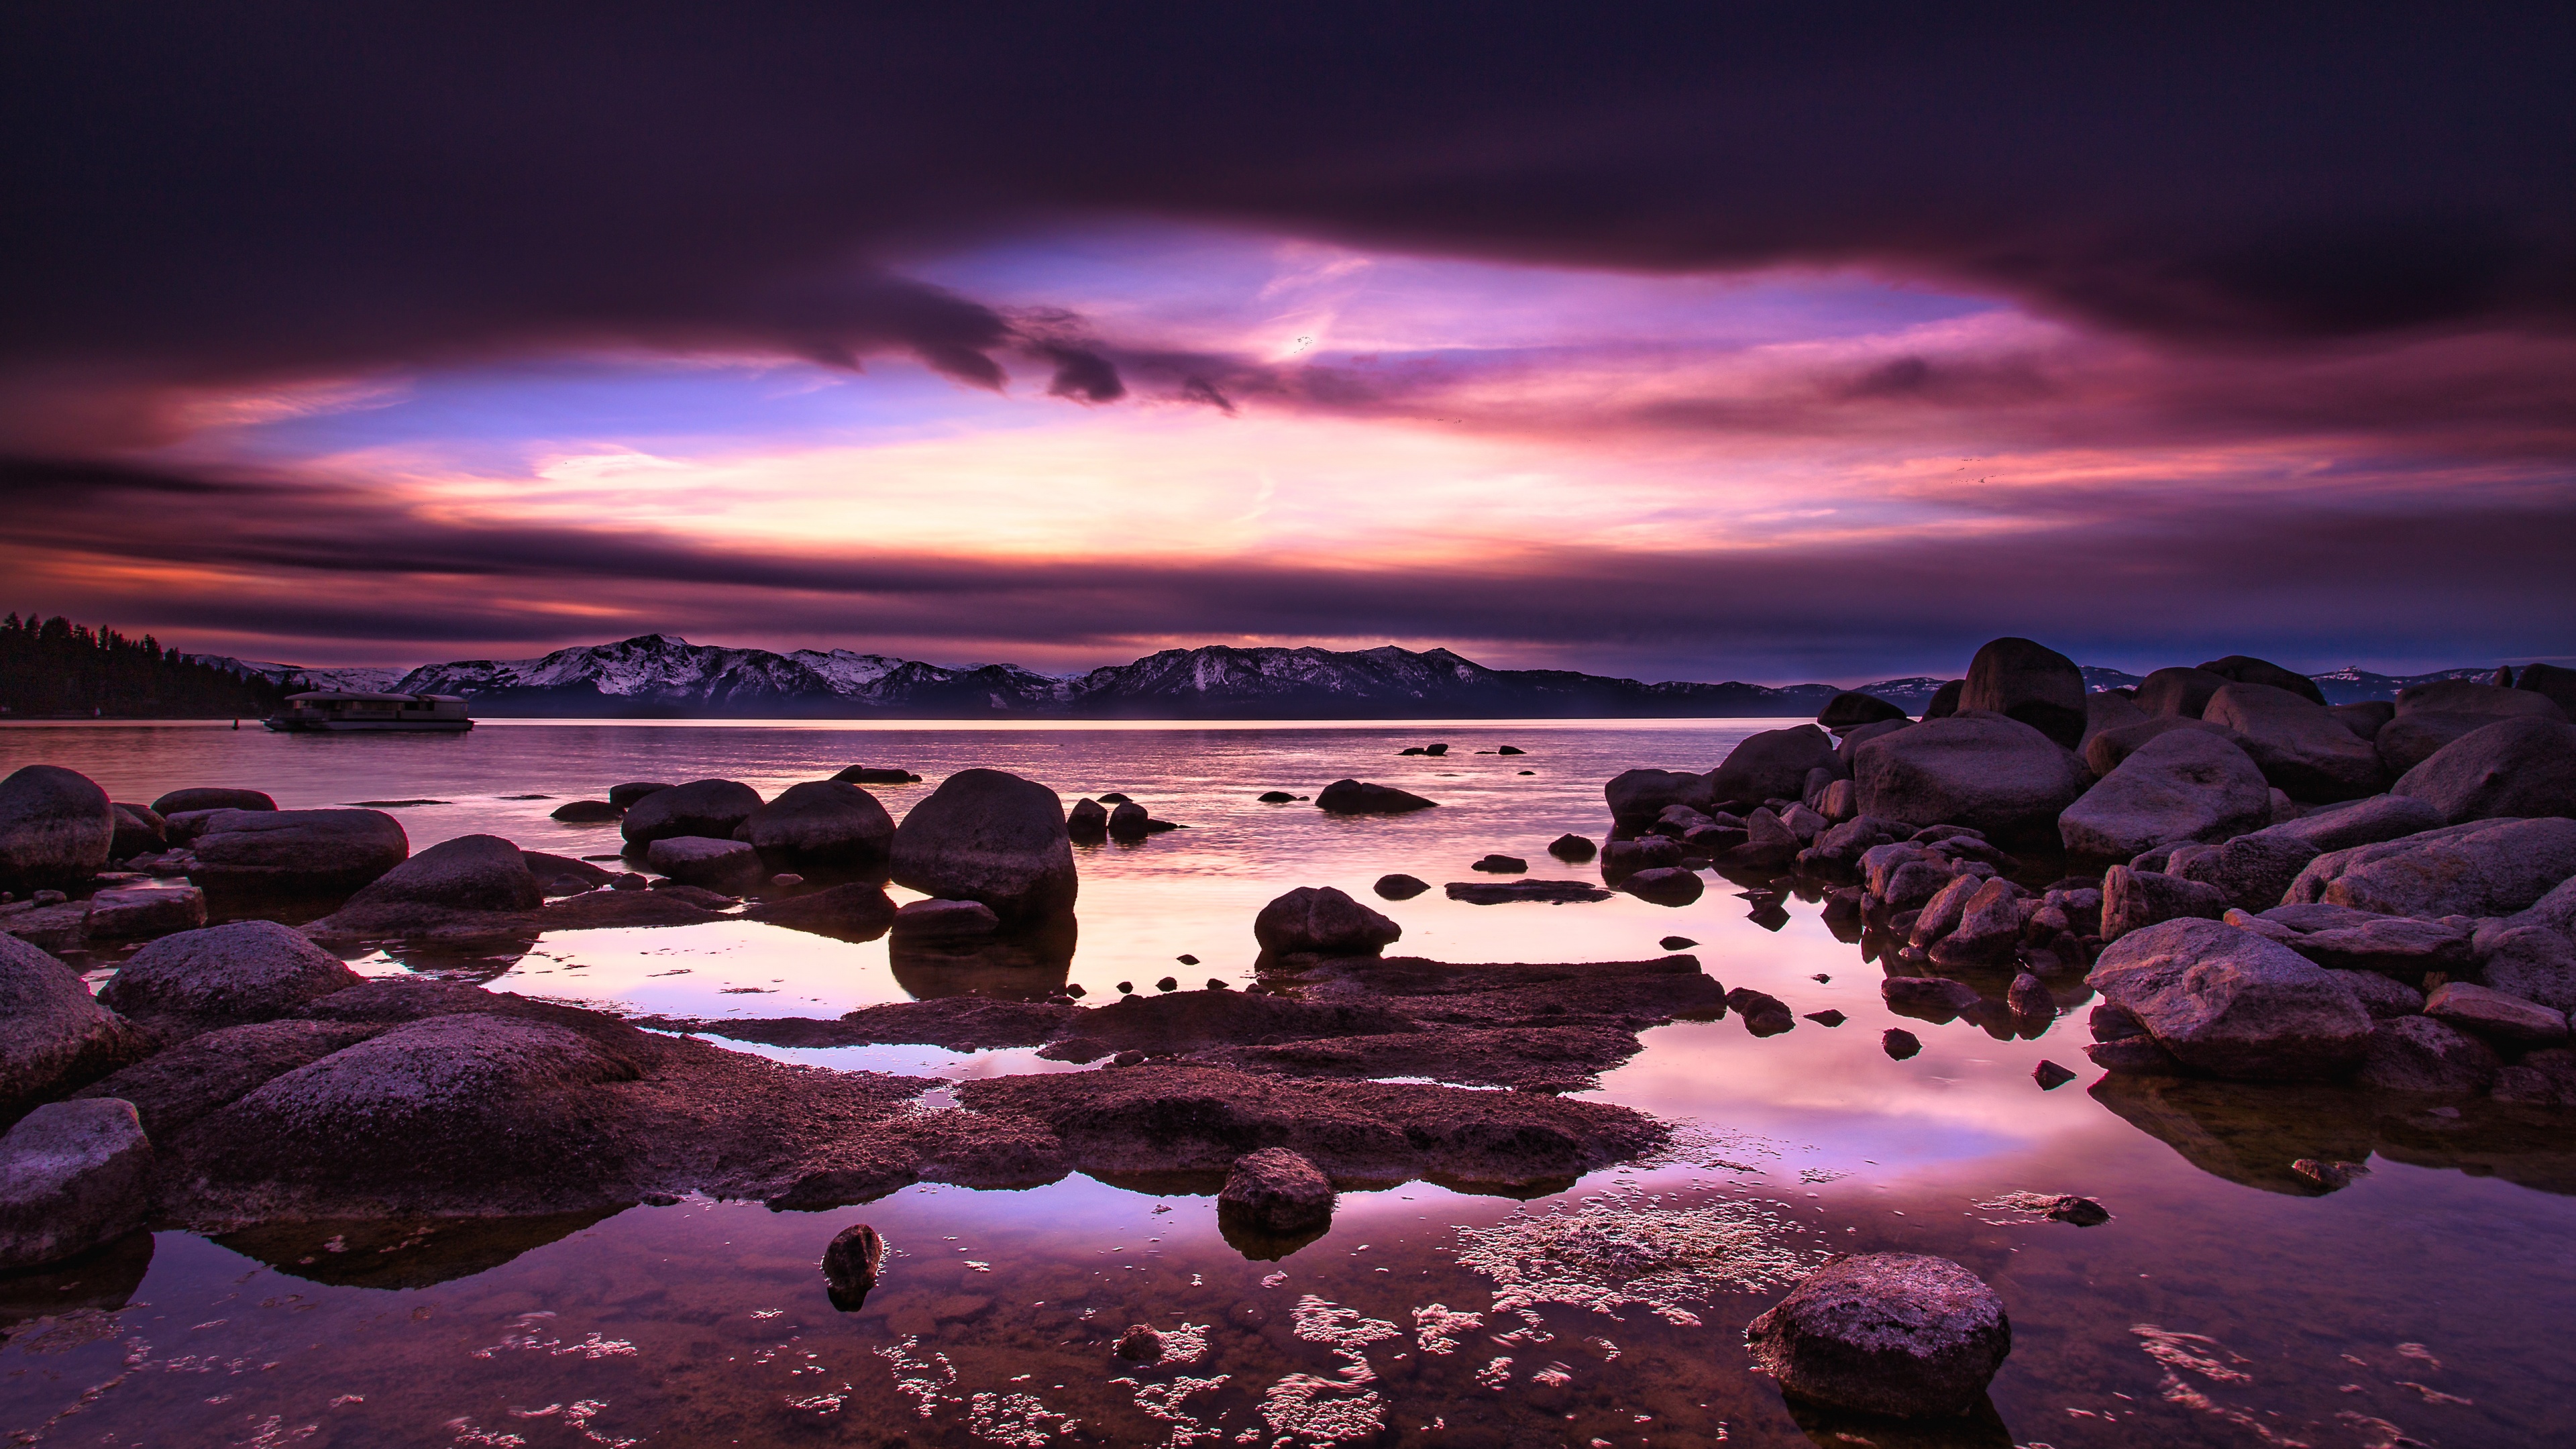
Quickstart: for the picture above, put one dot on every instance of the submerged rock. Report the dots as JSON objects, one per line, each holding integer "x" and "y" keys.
{"x": 1278, "y": 1191}
{"x": 856, "y": 911}
{"x": 993, "y": 837}
{"x": 1351, "y": 797}
{"x": 1553, "y": 892}
{"x": 1901, "y": 1334}
{"x": 73, "y": 1175}
{"x": 1321, "y": 921}
{"x": 1572, "y": 849}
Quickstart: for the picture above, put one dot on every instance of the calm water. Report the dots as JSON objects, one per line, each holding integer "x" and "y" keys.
{"x": 2221, "y": 1306}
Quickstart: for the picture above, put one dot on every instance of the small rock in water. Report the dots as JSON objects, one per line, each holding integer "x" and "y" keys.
{"x": 1900, "y": 1043}
{"x": 1902, "y": 1334}
{"x": 1126, "y": 988}
{"x": 1665, "y": 885}
{"x": 1216, "y": 985}
{"x": 2332, "y": 1176}
{"x": 1763, "y": 1013}
{"x": 1140, "y": 1344}
{"x": 1115, "y": 798}
{"x": 851, "y": 1265}
{"x": 1529, "y": 772}
{"x": 1277, "y": 1190}
{"x": 1511, "y": 750}
{"x": 587, "y": 812}
{"x": 787, "y": 878}
{"x": 1572, "y": 848}
{"x": 2029, "y": 998}
{"x": 1275, "y": 797}
{"x": 1827, "y": 1017}
{"x": 1187, "y": 960}
{"x": 2050, "y": 1076}
{"x": 1400, "y": 887}
{"x": 1677, "y": 943}
{"x": 1168, "y": 983}
{"x": 1821, "y": 976}
{"x": 1075, "y": 989}
{"x": 1501, "y": 864}
{"x": 1128, "y": 1058}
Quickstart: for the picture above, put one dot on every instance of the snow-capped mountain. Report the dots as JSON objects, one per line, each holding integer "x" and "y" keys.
{"x": 660, "y": 674}
{"x": 1217, "y": 681}
{"x": 2352, "y": 685}
{"x": 366, "y": 678}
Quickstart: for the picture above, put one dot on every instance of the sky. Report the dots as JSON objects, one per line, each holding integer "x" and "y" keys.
{"x": 1716, "y": 342}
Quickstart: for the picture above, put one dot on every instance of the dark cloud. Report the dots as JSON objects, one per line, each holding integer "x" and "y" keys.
{"x": 210, "y": 193}
{"x": 2140, "y": 578}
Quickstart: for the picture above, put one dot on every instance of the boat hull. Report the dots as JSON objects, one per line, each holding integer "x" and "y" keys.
{"x": 370, "y": 726}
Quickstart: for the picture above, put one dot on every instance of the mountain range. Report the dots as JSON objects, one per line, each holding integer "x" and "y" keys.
{"x": 662, "y": 676}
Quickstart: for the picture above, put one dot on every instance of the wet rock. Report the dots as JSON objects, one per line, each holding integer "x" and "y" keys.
{"x": 473, "y": 885}
{"x": 822, "y": 826}
{"x": 1275, "y": 797}
{"x": 2135, "y": 899}
{"x": 987, "y": 836}
{"x": 1140, "y": 1344}
{"x": 2232, "y": 1003}
{"x": 53, "y": 1035}
{"x": 1930, "y": 998}
{"x": 134, "y": 913}
{"x": 625, "y": 796}
{"x": 56, "y": 826}
{"x": 1501, "y": 864}
{"x": 707, "y": 809}
{"x": 139, "y": 830}
{"x": 2064, "y": 1207}
{"x": 2384, "y": 997}
{"x": 1351, "y": 797}
{"x": 851, "y": 1263}
{"x": 2480, "y": 868}
{"x": 622, "y": 908}
{"x": 724, "y": 865}
{"x": 1553, "y": 892}
{"x": 1087, "y": 823}
{"x": 2029, "y": 999}
{"x": 1676, "y": 943}
{"x": 1763, "y": 1014}
{"x": 1277, "y": 1191}
{"x": 2299, "y": 746}
{"x": 1901, "y": 1334}
{"x": 296, "y": 852}
{"x": 2182, "y": 693}
{"x": 73, "y": 1175}
{"x": 1130, "y": 821}
{"x": 2181, "y": 785}
{"x": 2514, "y": 768}
{"x": 1638, "y": 796}
{"x": 1771, "y": 764}
{"x": 1400, "y": 887}
{"x": 2496, "y": 1016}
{"x": 1321, "y": 921}
{"x": 1899, "y": 1043}
{"x": 2050, "y": 1076}
{"x": 2429, "y": 1056}
{"x": 225, "y": 975}
{"x": 945, "y": 920}
{"x": 1572, "y": 849}
{"x": 1996, "y": 775}
{"x": 1664, "y": 885}
{"x": 586, "y": 812}
{"x": 2246, "y": 669}
{"x": 2252, "y": 871}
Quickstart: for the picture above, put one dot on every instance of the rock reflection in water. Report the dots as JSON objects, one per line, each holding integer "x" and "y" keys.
{"x": 2252, "y": 1132}
{"x": 1026, "y": 965}
{"x": 393, "y": 1253}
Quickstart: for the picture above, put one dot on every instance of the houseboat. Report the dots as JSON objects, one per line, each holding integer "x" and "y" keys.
{"x": 339, "y": 709}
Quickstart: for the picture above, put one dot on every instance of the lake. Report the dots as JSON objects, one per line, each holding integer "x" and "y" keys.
{"x": 2227, "y": 1302}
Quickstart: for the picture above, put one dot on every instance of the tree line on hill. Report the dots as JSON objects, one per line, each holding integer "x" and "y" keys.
{"x": 56, "y": 669}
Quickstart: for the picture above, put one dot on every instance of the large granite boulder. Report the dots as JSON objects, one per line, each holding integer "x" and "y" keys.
{"x": 1354, "y": 797}
{"x": 2551, "y": 680}
{"x": 2029, "y": 682}
{"x": 2520, "y": 767}
{"x": 470, "y": 886}
{"x": 1852, "y": 709}
{"x": 2467, "y": 696}
{"x": 2432, "y": 1058}
{"x": 56, "y": 826}
{"x": 2405, "y": 743}
{"x": 2360, "y": 822}
{"x": 140, "y": 830}
{"x": 225, "y": 975}
{"x": 2111, "y": 709}
{"x": 2499, "y": 1016}
{"x": 823, "y": 826}
{"x": 1771, "y": 765}
{"x": 297, "y": 852}
{"x": 2480, "y": 868}
{"x": 1976, "y": 769}
{"x": 2133, "y": 900}
{"x": 211, "y": 797}
{"x": 1322, "y": 921}
{"x": 2184, "y": 784}
{"x": 135, "y": 913}
{"x": 2233, "y": 1004}
{"x": 712, "y": 808}
{"x": 2299, "y": 746}
{"x": 73, "y": 1175}
{"x": 2252, "y": 871}
{"x": 53, "y": 1035}
{"x": 1901, "y": 1334}
{"x": 730, "y": 866}
{"x": 1636, "y": 797}
{"x": 1945, "y": 700}
{"x": 624, "y": 796}
{"x": 2532, "y": 962}
{"x": 987, "y": 836}
{"x": 2246, "y": 669}
{"x": 2180, "y": 693}
{"x": 2105, "y": 749}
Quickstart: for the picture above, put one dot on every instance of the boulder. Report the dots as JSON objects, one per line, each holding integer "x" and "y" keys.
{"x": 2465, "y": 696}
{"x": 1636, "y": 797}
{"x": 1945, "y": 700}
{"x": 1929, "y": 998}
{"x": 945, "y": 920}
{"x": 2361, "y": 822}
{"x": 472, "y": 885}
{"x": 73, "y": 1175}
{"x": 1495, "y": 893}
{"x": 2496, "y": 1016}
{"x": 851, "y": 1263}
{"x": 2110, "y": 709}
{"x": 2299, "y": 746}
{"x": 2365, "y": 718}
{"x": 1130, "y": 821}
{"x": 56, "y": 827}
{"x": 2252, "y": 871}
{"x": 2532, "y": 962}
{"x": 987, "y": 836}
{"x": 2385, "y": 998}
{"x": 2104, "y": 750}
{"x": 2183, "y": 784}
{"x": 2179, "y": 693}
{"x": 822, "y": 825}
{"x": 2481, "y": 868}
{"x": 1839, "y": 801}
{"x": 135, "y": 913}
{"x": 1277, "y": 1191}
{"x": 2520, "y": 768}
{"x": 2031, "y": 683}
{"x": 2246, "y": 669}
{"x": 2231, "y": 1003}
{"x": 1352, "y": 797}
{"x": 296, "y": 852}
{"x": 1321, "y": 921}
{"x": 1771, "y": 764}
{"x": 225, "y": 975}
{"x": 1573, "y": 849}
{"x": 586, "y": 812}
{"x": 1977, "y": 769}
{"x": 2405, "y": 743}
{"x": 211, "y": 797}
{"x": 1852, "y": 709}
{"x": 1087, "y": 823}
{"x": 714, "y": 809}
{"x": 2395, "y": 946}
{"x": 2550, "y": 680}
{"x": 140, "y": 830}
{"x": 624, "y": 796}
{"x": 1665, "y": 885}
{"x": 2423, "y": 1055}
{"x": 716, "y": 865}
{"x": 1940, "y": 915}
{"x": 1989, "y": 928}
{"x": 1901, "y": 1334}
{"x": 2556, "y": 911}
{"x": 1846, "y": 753}
{"x": 1400, "y": 887}
{"x": 877, "y": 775}
{"x": 53, "y": 1035}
